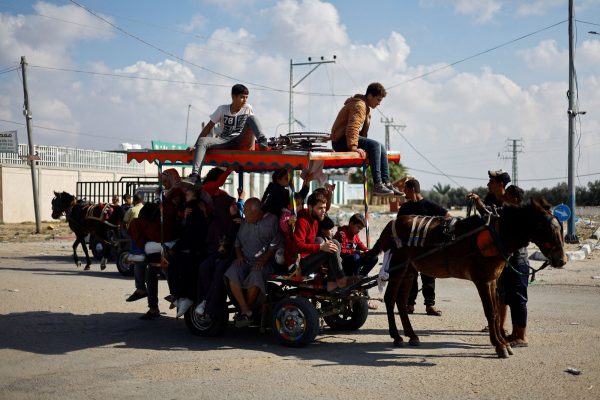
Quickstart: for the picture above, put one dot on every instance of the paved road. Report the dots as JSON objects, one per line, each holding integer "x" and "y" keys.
{"x": 65, "y": 333}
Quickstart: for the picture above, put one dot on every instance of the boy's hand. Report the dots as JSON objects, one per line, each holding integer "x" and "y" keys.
{"x": 328, "y": 247}
{"x": 361, "y": 152}
{"x": 241, "y": 193}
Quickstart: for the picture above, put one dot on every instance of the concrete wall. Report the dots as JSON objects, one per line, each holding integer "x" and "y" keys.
{"x": 16, "y": 193}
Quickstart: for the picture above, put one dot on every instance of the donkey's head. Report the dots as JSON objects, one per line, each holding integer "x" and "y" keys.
{"x": 61, "y": 203}
{"x": 547, "y": 232}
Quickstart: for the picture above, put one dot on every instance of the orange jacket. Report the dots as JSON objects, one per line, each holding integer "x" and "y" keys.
{"x": 352, "y": 121}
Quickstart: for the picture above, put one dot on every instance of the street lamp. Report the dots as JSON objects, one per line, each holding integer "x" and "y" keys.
{"x": 593, "y": 33}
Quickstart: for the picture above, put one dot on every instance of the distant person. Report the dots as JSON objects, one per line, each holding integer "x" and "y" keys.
{"x": 235, "y": 120}
{"x": 115, "y": 201}
{"x": 417, "y": 205}
{"x": 127, "y": 202}
{"x": 349, "y": 133}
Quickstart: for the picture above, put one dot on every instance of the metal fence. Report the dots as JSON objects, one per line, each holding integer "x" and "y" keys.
{"x": 102, "y": 191}
{"x": 64, "y": 157}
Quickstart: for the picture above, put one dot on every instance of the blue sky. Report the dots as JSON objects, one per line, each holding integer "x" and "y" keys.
{"x": 458, "y": 119}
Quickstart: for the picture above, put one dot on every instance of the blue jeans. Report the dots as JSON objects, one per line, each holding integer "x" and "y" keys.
{"x": 377, "y": 157}
{"x": 205, "y": 143}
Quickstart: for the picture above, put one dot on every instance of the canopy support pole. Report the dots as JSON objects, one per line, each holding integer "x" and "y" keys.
{"x": 366, "y": 202}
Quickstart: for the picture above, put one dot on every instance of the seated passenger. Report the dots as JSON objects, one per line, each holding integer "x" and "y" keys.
{"x": 211, "y": 291}
{"x": 256, "y": 244}
{"x": 188, "y": 252}
{"x": 237, "y": 123}
{"x": 312, "y": 254}
{"x": 276, "y": 198}
{"x": 355, "y": 259}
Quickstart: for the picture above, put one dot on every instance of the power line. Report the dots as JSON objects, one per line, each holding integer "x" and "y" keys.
{"x": 171, "y": 54}
{"x": 74, "y": 133}
{"x": 486, "y": 179}
{"x": 475, "y": 55}
{"x": 585, "y": 22}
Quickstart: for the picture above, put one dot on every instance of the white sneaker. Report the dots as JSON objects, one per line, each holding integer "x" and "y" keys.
{"x": 182, "y": 306}
{"x": 393, "y": 189}
{"x": 200, "y": 308}
{"x": 136, "y": 258}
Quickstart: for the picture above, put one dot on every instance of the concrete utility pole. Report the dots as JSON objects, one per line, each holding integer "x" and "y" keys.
{"x": 31, "y": 157}
{"x": 389, "y": 122}
{"x": 316, "y": 64}
{"x": 571, "y": 236}
{"x": 513, "y": 149}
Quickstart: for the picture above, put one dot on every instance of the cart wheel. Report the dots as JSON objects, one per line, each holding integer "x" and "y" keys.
{"x": 295, "y": 322}
{"x": 206, "y": 327}
{"x": 350, "y": 318}
{"x": 125, "y": 268}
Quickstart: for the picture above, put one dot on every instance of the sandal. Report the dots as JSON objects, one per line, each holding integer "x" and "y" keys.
{"x": 136, "y": 296}
{"x": 241, "y": 320}
{"x": 150, "y": 315}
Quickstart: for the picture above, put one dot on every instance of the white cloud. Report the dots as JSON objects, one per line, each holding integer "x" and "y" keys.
{"x": 198, "y": 22}
{"x": 459, "y": 120}
{"x": 538, "y": 7}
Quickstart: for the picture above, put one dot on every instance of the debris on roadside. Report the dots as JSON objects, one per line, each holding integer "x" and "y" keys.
{"x": 573, "y": 371}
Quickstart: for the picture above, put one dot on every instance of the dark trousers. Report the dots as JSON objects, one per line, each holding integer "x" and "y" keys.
{"x": 182, "y": 276}
{"x": 152, "y": 286}
{"x": 313, "y": 262}
{"x": 428, "y": 289}
{"x": 512, "y": 290}
{"x": 377, "y": 157}
{"x": 354, "y": 264}
{"x": 211, "y": 284}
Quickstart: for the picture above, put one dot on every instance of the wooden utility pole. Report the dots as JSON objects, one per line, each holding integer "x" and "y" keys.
{"x": 31, "y": 157}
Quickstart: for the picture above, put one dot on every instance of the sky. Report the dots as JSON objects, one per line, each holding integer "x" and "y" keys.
{"x": 465, "y": 78}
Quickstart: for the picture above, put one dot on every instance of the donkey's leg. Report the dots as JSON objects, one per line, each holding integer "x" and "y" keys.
{"x": 402, "y": 299}
{"x": 88, "y": 262}
{"x": 389, "y": 298}
{"x": 484, "y": 289}
{"x": 75, "y": 258}
{"x": 499, "y": 321}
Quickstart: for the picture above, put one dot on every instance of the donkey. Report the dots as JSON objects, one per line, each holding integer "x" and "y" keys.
{"x": 83, "y": 218}
{"x": 478, "y": 252}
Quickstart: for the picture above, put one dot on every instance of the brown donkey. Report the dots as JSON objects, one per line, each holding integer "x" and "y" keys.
{"x": 471, "y": 250}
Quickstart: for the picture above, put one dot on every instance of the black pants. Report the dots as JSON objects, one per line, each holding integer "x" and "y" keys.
{"x": 182, "y": 277}
{"x": 211, "y": 284}
{"x": 313, "y": 262}
{"x": 512, "y": 289}
{"x": 428, "y": 283}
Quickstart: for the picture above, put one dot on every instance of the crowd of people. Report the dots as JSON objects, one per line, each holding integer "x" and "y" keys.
{"x": 216, "y": 242}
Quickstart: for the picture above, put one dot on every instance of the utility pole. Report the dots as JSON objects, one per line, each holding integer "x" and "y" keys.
{"x": 389, "y": 122}
{"x": 571, "y": 236}
{"x": 187, "y": 123}
{"x": 316, "y": 64}
{"x": 513, "y": 149}
{"x": 31, "y": 157}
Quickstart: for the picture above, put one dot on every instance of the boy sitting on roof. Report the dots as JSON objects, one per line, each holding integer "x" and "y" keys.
{"x": 236, "y": 121}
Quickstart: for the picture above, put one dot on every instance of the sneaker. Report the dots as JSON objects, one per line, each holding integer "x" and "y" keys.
{"x": 381, "y": 190}
{"x": 192, "y": 179}
{"x": 242, "y": 320}
{"x": 182, "y": 306}
{"x": 136, "y": 258}
{"x": 200, "y": 308}
{"x": 262, "y": 143}
{"x": 393, "y": 189}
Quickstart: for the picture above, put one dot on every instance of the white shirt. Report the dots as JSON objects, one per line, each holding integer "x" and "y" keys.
{"x": 231, "y": 124}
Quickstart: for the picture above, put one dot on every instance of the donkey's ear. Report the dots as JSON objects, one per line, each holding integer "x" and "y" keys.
{"x": 55, "y": 193}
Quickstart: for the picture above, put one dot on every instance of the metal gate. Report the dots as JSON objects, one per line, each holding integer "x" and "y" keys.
{"x": 103, "y": 191}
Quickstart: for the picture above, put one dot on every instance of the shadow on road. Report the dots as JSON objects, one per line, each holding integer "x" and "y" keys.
{"x": 44, "y": 332}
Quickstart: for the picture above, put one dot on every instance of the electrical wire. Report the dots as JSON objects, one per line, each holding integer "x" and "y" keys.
{"x": 183, "y": 60}
{"x": 74, "y": 133}
{"x": 435, "y": 70}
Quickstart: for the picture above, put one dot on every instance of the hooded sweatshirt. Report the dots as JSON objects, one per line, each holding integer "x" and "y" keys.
{"x": 352, "y": 121}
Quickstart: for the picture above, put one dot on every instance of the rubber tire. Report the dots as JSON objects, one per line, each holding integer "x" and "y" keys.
{"x": 217, "y": 326}
{"x": 125, "y": 269}
{"x": 353, "y": 322}
{"x": 302, "y": 308}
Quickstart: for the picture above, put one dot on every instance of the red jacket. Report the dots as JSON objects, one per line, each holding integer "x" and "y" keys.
{"x": 303, "y": 240}
{"x": 349, "y": 242}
